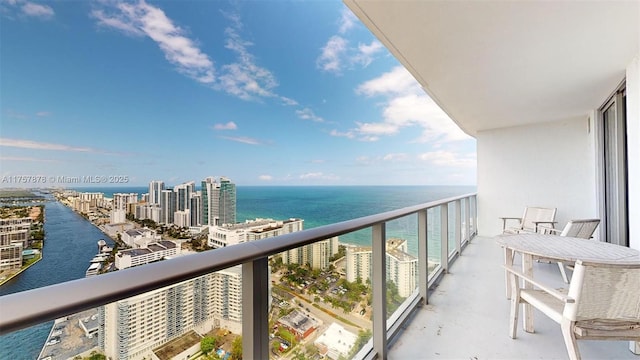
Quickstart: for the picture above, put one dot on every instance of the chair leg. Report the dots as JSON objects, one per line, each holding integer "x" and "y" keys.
{"x": 570, "y": 342}
{"x": 563, "y": 272}
{"x": 515, "y": 302}
{"x": 508, "y": 261}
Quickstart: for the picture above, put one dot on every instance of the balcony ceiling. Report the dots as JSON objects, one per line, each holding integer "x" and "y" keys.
{"x": 499, "y": 64}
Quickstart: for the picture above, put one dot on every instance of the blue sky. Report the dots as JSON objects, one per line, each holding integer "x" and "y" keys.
{"x": 263, "y": 92}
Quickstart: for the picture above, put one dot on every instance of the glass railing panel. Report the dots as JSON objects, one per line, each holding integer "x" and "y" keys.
{"x": 321, "y": 298}
{"x": 451, "y": 231}
{"x": 401, "y": 261}
{"x": 433, "y": 240}
{"x": 464, "y": 222}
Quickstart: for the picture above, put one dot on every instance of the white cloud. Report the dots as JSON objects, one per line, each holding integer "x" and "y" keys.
{"x": 37, "y": 10}
{"x": 307, "y": 114}
{"x": 265, "y": 177}
{"x": 318, "y": 161}
{"x": 405, "y": 105}
{"x": 347, "y": 134}
{"x": 24, "y": 159}
{"x": 395, "y": 157}
{"x": 337, "y": 54}
{"x": 142, "y": 19}
{"x": 244, "y": 78}
{"x": 366, "y": 53}
{"x": 331, "y": 58}
{"x": 28, "y": 144}
{"x": 318, "y": 176}
{"x": 448, "y": 158}
{"x": 228, "y": 126}
{"x": 377, "y": 128}
{"x": 397, "y": 81}
{"x": 347, "y": 20}
{"x": 43, "y": 113}
{"x": 288, "y": 101}
{"x": 243, "y": 139}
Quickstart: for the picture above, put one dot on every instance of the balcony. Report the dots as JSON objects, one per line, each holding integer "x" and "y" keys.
{"x": 460, "y": 276}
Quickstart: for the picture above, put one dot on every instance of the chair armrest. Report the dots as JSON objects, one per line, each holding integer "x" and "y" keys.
{"x": 504, "y": 221}
{"x": 537, "y": 223}
{"x": 553, "y": 292}
{"x": 545, "y": 222}
{"x": 551, "y": 230}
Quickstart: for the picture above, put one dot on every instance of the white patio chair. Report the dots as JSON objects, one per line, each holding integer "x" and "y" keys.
{"x": 583, "y": 228}
{"x": 534, "y": 219}
{"x": 603, "y": 303}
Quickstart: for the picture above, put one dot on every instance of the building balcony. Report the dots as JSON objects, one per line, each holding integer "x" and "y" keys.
{"x": 458, "y": 308}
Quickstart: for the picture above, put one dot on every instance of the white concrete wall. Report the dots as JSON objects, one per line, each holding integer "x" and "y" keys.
{"x": 549, "y": 164}
{"x": 633, "y": 150}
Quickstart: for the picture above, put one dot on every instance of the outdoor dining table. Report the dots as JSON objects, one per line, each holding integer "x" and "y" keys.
{"x": 560, "y": 248}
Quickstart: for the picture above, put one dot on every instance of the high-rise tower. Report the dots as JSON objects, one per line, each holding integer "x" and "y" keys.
{"x": 218, "y": 201}
{"x": 155, "y": 191}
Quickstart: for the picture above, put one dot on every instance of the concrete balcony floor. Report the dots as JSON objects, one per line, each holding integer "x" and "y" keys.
{"x": 468, "y": 315}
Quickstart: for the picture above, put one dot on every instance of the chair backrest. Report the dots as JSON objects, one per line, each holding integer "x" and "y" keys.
{"x": 532, "y": 214}
{"x": 604, "y": 292}
{"x": 583, "y": 228}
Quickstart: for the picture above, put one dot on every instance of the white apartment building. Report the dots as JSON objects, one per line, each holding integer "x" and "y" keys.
{"x": 182, "y": 218}
{"x": 317, "y": 255}
{"x": 148, "y": 211}
{"x": 402, "y": 268}
{"x": 119, "y": 206}
{"x": 358, "y": 263}
{"x": 139, "y": 238}
{"x": 250, "y": 230}
{"x": 15, "y": 231}
{"x": 152, "y": 252}
{"x": 10, "y": 257}
{"x": 130, "y": 329}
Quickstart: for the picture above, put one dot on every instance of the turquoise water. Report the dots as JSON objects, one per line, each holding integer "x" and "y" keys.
{"x": 71, "y": 240}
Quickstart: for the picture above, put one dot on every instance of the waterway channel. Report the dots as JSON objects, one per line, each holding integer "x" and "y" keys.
{"x": 70, "y": 243}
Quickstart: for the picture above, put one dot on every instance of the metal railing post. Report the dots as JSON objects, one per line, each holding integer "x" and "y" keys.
{"x": 379, "y": 259}
{"x": 423, "y": 256}
{"x": 458, "y": 227}
{"x": 444, "y": 237}
{"x": 255, "y": 309}
{"x": 467, "y": 218}
{"x": 475, "y": 214}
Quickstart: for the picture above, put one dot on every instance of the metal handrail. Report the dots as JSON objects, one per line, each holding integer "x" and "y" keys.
{"x": 31, "y": 307}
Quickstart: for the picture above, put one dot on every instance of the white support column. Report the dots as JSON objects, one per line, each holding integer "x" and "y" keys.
{"x": 458, "y": 227}
{"x": 379, "y": 258}
{"x": 255, "y": 309}
{"x": 423, "y": 256}
{"x": 444, "y": 237}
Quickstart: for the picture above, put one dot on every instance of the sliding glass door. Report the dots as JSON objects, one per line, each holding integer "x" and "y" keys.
{"x": 614, "y": 159}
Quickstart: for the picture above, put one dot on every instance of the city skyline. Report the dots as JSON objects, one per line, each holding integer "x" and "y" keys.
{"x": 266, "y": 93}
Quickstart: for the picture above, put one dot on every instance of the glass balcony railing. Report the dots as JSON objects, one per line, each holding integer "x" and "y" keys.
{"x": 299, "y": 295}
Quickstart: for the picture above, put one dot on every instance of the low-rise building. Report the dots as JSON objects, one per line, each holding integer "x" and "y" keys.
{"x": 300, "y": 324}
{"x": 250, "y": 230}
{"x": 152, "y": 252}
{"x": 139, "y": 238}
{"x": 336, "y": 342}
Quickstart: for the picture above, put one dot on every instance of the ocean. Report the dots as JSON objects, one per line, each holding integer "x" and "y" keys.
{"x": 71, "y": 240}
